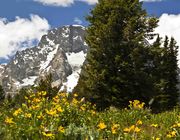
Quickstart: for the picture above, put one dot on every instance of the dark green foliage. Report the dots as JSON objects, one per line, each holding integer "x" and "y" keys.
{"x": 165, "y": 74}
{"x": 46, "y": 85}
{"x": 171, "y": 73}
{"x": 2, "y": 94}
{"x": 156, "y": 72}
{"x": 17, "y": 99}
{"x": 121, "y": 66}
{"x": 116, "y": 71}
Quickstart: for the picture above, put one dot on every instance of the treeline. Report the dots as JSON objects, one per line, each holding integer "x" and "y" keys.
{"x": 121, "y": 65}
{"x": 19, "y": 97}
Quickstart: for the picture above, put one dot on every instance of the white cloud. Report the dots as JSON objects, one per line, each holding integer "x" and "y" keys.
{"x": 150, "y": 0}
{"x": 169, "y": 25}
{"x": 20, "y": 33}
{"x": 64, "y": 3}
{"x": 90, "y": 2}
{"x": 77, "y": 20}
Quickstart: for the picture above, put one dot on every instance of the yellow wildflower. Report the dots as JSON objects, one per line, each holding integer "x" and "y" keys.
{"x": 132, "y": 127}
{"x": 40, "y": 116}
{"x": 9, "y": 120}
{"x": 50, "y": 135}
{"x": 93, "y": 112}
{"x": 34, "y": 107}
{"x": 114, "y": 128}
{"x": 74, "y": 101}
{"x": 139, "y": 122}
{"x": 136, "y": 104}
{"x": 17, "y": 112}
{"x": 154, "y": 125}
{"x": 75, "y": 95}
{"x": 101, "y": 125}
{"x": 126, "y": 130}
{"x": 140, "y": 106}
{"x": 36, "y": 100}
{"x": 171, "y": 134}
{"x": 51, "y": 112}
{"x": 168, "y": 136}
{"x": 176, "y": 125}
{"x": 59, "y": 109}
{"x": 82, "y": 108}
{"x": 64, "y": 100}
{"x": 28, "y": 115}
{"x": 42, "y": 93}
{"x": 63, "y": 95}
{"x": 61, "y": 129}
{"x": 56, "y": 99}
{"x": 155, "y": 138}
{"x": 136, "y": 129}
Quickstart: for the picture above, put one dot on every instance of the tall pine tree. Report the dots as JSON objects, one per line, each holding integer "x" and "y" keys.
{"x": 171, "y": 74}
{"x": 116, "y": 63}
{"x": 165, "y": 74}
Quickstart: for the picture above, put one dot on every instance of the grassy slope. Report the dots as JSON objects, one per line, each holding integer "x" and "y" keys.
{"x": 60, "y": 118}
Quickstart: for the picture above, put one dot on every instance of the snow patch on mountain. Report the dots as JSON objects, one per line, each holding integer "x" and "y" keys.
{"x": 26, "y": 82}
{"x": 50, "y": 56}
{"x": 29, "y": 81}
{"x": 76, "y": 61}
{"x": 51, "y": 42}
{"x": 72, "y": 81}
{"x": 76, "y": 25}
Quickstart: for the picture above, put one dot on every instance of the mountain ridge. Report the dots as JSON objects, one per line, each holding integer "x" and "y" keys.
{"x": 61, "y": 52}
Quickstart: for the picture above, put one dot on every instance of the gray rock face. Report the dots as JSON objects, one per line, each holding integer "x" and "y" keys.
{"x": 50, "y": 56}
{"x": 1, "y": 71}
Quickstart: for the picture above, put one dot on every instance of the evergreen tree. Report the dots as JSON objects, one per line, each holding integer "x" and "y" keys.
{"x": 2, "y": 94}
{"x": 171, "y": 75}
{"x": 46, "y": 85}
{"x": 157, "y": 72}
{"x": 165, "y": 74}
{"x": 115, "y": 71}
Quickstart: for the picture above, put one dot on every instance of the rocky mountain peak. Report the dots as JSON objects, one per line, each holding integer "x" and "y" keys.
{"x": 61, "y": 52}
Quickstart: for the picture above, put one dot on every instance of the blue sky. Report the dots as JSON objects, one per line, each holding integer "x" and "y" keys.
{"x": 23, "y": 22}
{"x": 58, "y": 15}
{"x": 164, "y": 6}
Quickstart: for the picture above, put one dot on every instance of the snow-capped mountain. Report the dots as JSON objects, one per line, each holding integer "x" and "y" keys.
{"x": 61, "y": 52}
